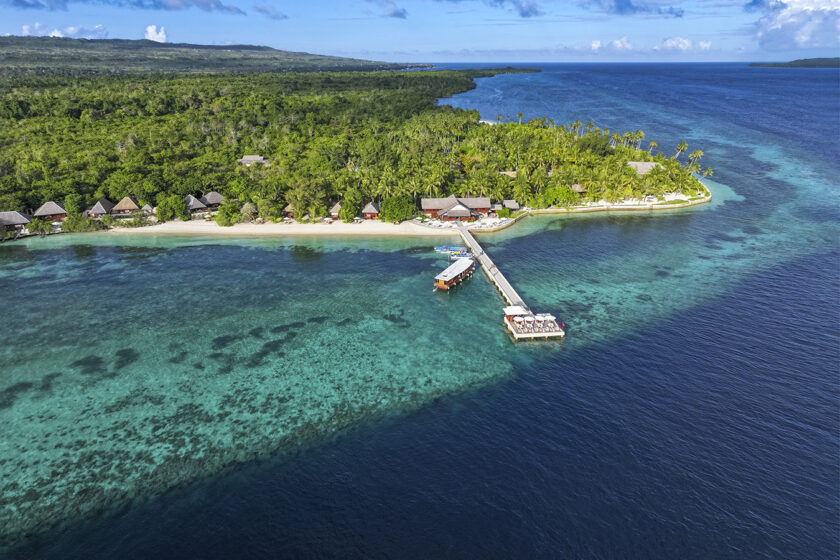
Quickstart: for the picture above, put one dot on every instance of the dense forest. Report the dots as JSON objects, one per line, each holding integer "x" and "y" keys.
{"x": 327, "y": 136}
{"x": 59, "y": 56}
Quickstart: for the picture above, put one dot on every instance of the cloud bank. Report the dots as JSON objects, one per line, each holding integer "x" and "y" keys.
{"x": 167, "y": 5}
{"x": 74, "y": 31}
{"x": 155, "y": 34}
{"x": 797, "y": 23}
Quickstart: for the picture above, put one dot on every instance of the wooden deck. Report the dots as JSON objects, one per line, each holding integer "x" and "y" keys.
{"x": 504, "y": 286}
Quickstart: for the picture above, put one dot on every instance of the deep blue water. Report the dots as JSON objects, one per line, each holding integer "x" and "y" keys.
{"x": 693, "y": 412}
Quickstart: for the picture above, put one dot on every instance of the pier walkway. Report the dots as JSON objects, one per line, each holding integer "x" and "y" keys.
{"x": 519, "y": 319}
{"x": 490, "y": 268}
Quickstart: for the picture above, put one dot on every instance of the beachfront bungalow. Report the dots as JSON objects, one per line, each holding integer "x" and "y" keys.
{"x": 212, "y": 200}
{"x": 578, "y": 188}
{"x": 289, "y": 211}
{"x": 125, "y": 206}
{"x": 511, "y": 174}
{"x": 13, "y": 221}
{"x": 371, "y": 211}
{"x": 248, "y": 161}
{"x": 454, "y": 208}
{"x": 51, "y": 212}
{"x": 194, "y": 205}
{"x": 148, "y": 210}
{"x": 510, "y": 204}
{"x": 103, "y": 206}
{"x": 644, "y": 167}
{"x": 336, "y": 208}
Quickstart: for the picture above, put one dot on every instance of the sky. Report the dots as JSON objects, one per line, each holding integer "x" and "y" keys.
{"x": 458, "y": 30}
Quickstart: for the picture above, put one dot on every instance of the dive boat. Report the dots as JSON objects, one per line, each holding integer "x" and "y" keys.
{"x": 447, "y": 250}
{"x": 454, "y": 273}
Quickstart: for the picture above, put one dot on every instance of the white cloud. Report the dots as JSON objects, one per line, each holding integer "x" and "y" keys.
{"x": 74, "y": 31}
{"x": 677, "y": 43}
{"x": 155, "y": 34}
{"x": 596, "y": 45}
{"x": 800, "y": 24}
{"x": 622, "y": 44}
{"x": 704, "y": 45}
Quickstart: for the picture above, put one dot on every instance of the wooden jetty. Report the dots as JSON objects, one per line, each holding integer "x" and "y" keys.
{"x": 519, "y": 319}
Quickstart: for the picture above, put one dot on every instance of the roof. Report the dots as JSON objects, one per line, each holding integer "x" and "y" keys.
{"x": 49, "y": 209}
{"x": 251, "y": 159}
{"x": 514, "y": 310}
{"x": 212, "y": 198}
{"x": 578, "y": 188}
{"x": 102, "y": 206}
{"x": 371, "y": 208}
{"x": 127, "y": 203}
{"x": 335, "y": 208}
{"x": 643, "y": 167}
{"x": 450, "y": 201}
{"x": 148, "y": 208}
{"x": 13, "y": 218}
{"x": 457, "y": 211}
{"x": 289, "y": 208}
{"x": 512, "y": 204}
{"x": 508, "y": 173}
{"x": 454, "y": 269}
{"x": 193, "y": 203}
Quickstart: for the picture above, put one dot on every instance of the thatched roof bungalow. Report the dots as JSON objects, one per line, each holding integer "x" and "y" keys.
{"x": 248, "y": 161}
{"x": 212, "y": 200}
{"x": 644, "y": 167}
{"x": 511, "y": 174}
{"x": 147, "y": 209}
{"x": 11, "y": 221}
{"x": 103, "y": 206}
{"x": 578, "y": 188}
{"x": 370, "y": 211}
{"x": 336, "y": 208}
{"x": 194, "y": 205}
{"x": 51, "y": 212}
{"x": 125, "y": 206}
{"x": 289, "y": 211}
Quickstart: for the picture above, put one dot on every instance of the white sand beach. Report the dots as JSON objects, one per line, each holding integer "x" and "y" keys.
{"x": 368, "y": 227}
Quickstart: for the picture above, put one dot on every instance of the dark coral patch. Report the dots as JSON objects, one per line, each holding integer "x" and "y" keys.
{"x": 224, "y": 341}
{"x": 643, "y": 297}
{"x": 90, "y": 364}
{"x": 344, "y": 322}
{"x": 257, "y": 332}
{"x": 317, "y": 320}
{"x": 662, "y": 273}
{"x": 9, "y": 395}
{"x": 125, "y": 357}
{"x": 287, "y": 327}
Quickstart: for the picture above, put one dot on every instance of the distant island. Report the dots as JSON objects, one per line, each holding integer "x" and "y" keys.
{"x": 803, "y": 63}
{"x": 70, "y": 57}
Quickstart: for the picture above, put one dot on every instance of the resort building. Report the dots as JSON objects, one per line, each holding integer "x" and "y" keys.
{"x": 371, "y": 211}
{"x": 643, "y": 167}
{"x": 148, "y": 210}
{"x": 194, "y": 205}
{"x": 51, "y": 212}
{"x": 13, "y": 221}
{"x": 336, "y": 208}
{"x": 289, "y": 211}
{"x": 125, "y": 207}
{"x": 248, "y": 161}
{"x": 212, "y": 200}
{"x": 512, "y": 205}
{"x": 454, "y": 208}
{"x": 578, "y": 188}
{"x": 103, "y": 206}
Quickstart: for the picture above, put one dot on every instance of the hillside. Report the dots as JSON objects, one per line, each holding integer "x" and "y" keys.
{"x": 68, "y": 57}
{"x": 803, "y": 63}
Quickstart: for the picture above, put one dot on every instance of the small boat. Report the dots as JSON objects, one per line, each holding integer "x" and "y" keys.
{"x": 454, "y": 274}
{"x": 461, "y": 255}
{"x": 447, "y": 250}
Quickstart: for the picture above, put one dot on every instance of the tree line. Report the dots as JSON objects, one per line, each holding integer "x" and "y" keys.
{"x": 351, "y": 136}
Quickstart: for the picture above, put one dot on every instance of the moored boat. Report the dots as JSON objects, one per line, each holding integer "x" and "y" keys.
{"x": 449, "y": 250}
{"x": 454, "y": 273}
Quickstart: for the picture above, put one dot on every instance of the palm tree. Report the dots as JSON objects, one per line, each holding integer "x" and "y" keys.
{"x": 652, "y": 146}
{"x": 695, "y": 156}
{"x": 499, "y": 118}
{"x": 708, "y": 172}
{"x": 519, "y": 116}
{"x": 682, "y": 147}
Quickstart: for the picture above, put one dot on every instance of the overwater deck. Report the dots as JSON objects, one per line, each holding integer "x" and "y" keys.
{"x": 531, "y": 325}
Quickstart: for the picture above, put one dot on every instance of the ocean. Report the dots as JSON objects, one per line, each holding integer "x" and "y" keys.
{"x": 172, "y": 397}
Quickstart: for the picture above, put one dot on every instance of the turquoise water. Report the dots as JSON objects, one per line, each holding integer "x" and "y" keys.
{"x": 690, "y": 412}
{"x": 136, "y": 365}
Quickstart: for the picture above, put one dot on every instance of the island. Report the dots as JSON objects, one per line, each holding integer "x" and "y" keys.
{"x": 803, "y": 63}
{"x": 282, "y": 150}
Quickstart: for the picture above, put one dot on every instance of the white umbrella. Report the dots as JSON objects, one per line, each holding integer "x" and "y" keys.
{"x": 529, "y": 319}
{"x": 550, "y": 318}
{"x": 518, "y": 319}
